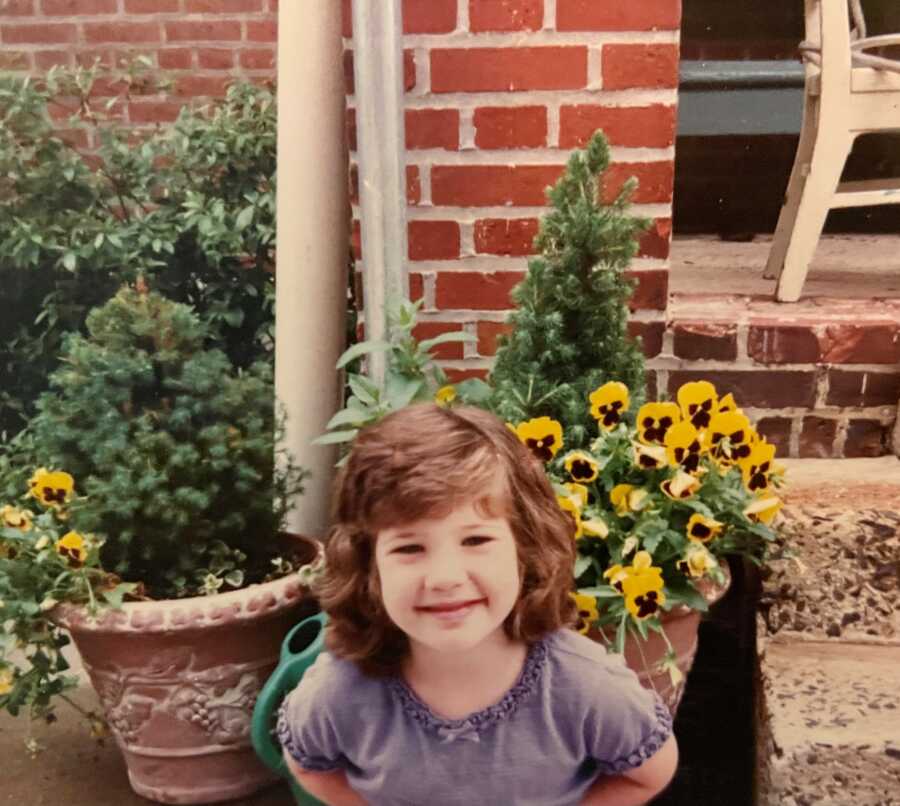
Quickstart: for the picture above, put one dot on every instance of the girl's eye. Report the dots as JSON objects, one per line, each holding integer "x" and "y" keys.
{"x": 409, "y": 548}
{"x": 477, "y": 540}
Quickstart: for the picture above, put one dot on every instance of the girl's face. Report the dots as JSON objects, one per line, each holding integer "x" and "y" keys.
{"x": 449, "y": 582}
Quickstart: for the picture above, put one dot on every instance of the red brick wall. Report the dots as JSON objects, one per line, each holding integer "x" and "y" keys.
{"x": 497, "y": 94}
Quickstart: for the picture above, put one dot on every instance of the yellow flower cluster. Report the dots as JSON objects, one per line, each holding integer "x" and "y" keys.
{"x": 641, "y": 584}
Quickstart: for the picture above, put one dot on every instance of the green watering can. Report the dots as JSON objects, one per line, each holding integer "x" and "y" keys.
{"x": 298, "y": 651}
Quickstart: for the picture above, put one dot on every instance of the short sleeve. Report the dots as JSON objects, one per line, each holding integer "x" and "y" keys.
{"x": 627, "y": 724}
{"x": 307, "y": 721}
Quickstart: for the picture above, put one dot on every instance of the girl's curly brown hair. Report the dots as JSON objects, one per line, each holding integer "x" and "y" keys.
{"x": 419, "y": 462}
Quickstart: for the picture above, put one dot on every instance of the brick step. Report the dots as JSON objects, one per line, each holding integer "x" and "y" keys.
{"x": 821, "y": 376}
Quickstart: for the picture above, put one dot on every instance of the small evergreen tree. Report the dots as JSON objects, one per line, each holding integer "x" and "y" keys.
{"x": 569, "y": 326}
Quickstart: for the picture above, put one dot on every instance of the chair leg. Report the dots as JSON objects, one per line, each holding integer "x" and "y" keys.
{"x": 794, "y": 191}
{"x": 829, "y": 155}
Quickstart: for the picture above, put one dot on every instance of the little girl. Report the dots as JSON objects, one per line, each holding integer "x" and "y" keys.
{"x": 451, "y": 675}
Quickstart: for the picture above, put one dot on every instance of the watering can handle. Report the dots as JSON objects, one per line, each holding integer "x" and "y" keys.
{"x": 287, "y": 674}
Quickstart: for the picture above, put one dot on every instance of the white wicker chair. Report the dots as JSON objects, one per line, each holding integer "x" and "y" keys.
{"x": 848, "y": 91}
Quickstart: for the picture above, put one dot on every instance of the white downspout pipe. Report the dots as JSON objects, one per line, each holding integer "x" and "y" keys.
{"x": 312, "y": 242}
{"x": 378, "y": 79}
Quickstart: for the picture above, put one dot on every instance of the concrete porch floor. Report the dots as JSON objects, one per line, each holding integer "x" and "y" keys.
{"x": 845, "y": 267}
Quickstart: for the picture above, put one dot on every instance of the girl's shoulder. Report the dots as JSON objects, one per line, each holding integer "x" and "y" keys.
{"x": 576, "y": 651}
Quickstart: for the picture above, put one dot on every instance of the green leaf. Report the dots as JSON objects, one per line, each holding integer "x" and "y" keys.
{"x": 335, "y": 437}
{"x": 348, "y": 416}
{"x": 70, "y": 261}
{"x": 582, "y": 563}
{"x": 474, "y": 391}
{"x": 364, "y": 389}
{"x": 444, "y": 338}
{"x": 244, "y": 218}
{"x": 363, "y": 348}
{"x": 116, "y": 595}
{"x": 400, "y": 391}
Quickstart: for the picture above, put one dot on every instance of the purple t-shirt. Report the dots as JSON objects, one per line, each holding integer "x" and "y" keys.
{"x": 574, "y": 713}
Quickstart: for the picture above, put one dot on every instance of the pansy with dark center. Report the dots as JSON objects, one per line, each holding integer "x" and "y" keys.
{"x": 72, "y": 547}
{"x": 542, "y": 436}
{"x": 684, "y": 446}
{"x": 703, "y": 529}
{"x": 608, "y": 403}
{"x": 587, "y": 611}
{"x": 51, "y": 488}
{"x": 757, "y": 468}
{"x": 654, "y": 420}
{"x": 581, "y": 467}
{"x": 643, "y": 587}
{"x": 698, "y": 401}
{"x": 729, "y": 437}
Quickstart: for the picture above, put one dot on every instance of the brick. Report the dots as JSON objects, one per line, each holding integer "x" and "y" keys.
{"x": 492, "y": 185}
{"x": 347, "y": 18}
{"x": 44, "y": 33}
{"x": 618, "y": 15}
{"x": 655, "y": 181}
{"x": 191, "y": 86}
{"x": 508, "y": 69}
{"x": 152, "y": 6}
{"x": 146, "y": 110}
{"x": 74, "y": 138}
{"x": 698, "y": 341}
{"x": 18, "y": 8}
{"x": 505, "y": 15}
{"x": 633, "y": 126}
{"x": 452, "y": 351}
{"x": 356, "y": 242}
{"x": 215, "y": 58}
{"x": 45, "y": 59}
{"x": 639, "y": 66}
{"x": 350, "y": 124}
{"x": 783, "y": 344}
{"x": 257, "y": 59}
{"x": 775, "y": 389}
{"x": 652, "y": 290}
{"x": 458, "y": 375}
{"x": 205, "y": 30}
{"x": 847, "y": 388}
{"x": 510, "y": 127}
{"x": 15, "y": 60}
{"x": 96, "y": 32}
{"x": 505, "y": 236}
{"x": 262, "y": 31}
{"x": 429, "y": 16}
{"x": 817, "y": 438}
{"x": 433, "y": 240}
{"x": 68, "y": 8}
{"x": 866, "y": 438}
{"x": 650, "y": 334}
{"x": 657, "y": 240}
{"x": 416, "y": 286}
{"x": 488, "y": 333}
{"x": 472, "y": 290}
{"x": 409, "y": 71}
{"x": 861, "y": 344}
{"x": 432, "y": 128}
{"x": 222, "y": 6}
{"x": 176, "y": 59}
{"x": 413, "y": 185}
{"x": 777, "y": 431}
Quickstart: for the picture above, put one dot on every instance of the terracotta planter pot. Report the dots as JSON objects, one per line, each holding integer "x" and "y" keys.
{"x": 178, "y": 681}
{"x": 681, "y": 625}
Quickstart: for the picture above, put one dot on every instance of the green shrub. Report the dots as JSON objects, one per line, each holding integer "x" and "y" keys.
{"x": 191, "y": 207}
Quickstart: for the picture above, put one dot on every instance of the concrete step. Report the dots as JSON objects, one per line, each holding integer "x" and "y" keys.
{"x": 828, "y": 717}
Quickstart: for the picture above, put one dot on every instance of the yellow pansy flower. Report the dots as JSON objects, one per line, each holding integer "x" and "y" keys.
{"x": 580, "y": 492}
{"x": 649, "y": 457}
{"x": 643, "y": 587}
{"x": 72, "y": 546}
{"x": 608, "y": 403}
{"x": 569, "y": 505}
{"x": 582, "y": 467}
{"x": 616, "y": 575}
{"x": 727, "y": 404}
{"x": 51, "y": 488}
{"x": 445, "y": 395}
{"x": 15, "y": 518}
{"x": 542, "y": 436}
{"x": 587, "y": 611}
{"x": 729, "y": 437}
{"x": 7, "y": 678}
{"x": 703, "y": 529}
{"x": 627, "y": 498}
{"x": 654, "y": 419}
{"x": 758, "y": 467}
{"x": 684, "y": 446}
{"x": 764, "y": 509}
{"x": 698, "y": 401}
{"x": 595, "y": 527}
{"x": 681, "y": 486}
{"x": 697, "y": 561}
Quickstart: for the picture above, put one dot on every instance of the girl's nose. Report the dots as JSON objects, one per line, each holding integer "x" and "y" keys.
{"x": 445, "y": 571}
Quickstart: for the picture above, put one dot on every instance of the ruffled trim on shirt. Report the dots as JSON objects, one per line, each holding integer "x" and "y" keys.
{"x": 286, "y": 739}
{"x": 649, "y": 747}
{"x": 470, "y": 727}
